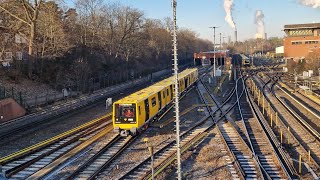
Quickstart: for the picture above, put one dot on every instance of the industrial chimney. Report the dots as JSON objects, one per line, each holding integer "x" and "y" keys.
{"x": 235, "y": 35}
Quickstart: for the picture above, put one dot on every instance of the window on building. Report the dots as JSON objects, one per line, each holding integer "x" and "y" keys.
{"x": 19, "y": 55}
{"x": 8, "y": 56}
{"x": 296, "y": 42}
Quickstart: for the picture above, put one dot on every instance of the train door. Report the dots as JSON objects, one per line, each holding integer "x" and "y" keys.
{"x": 160, "y": 100}
{"x": 186, "y": 82}
{"x": 146, "y": 104}
{"x": 171, "y": 89}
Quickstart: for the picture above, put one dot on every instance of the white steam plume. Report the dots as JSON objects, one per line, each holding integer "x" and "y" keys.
{"x": 228, "y": 5}
{"x": 311, "y": 3}
{"x": 260, "y": 24}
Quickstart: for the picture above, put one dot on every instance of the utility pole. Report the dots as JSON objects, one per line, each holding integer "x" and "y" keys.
{"x": 176, "y": 88}
{"x": 224, "y": 49}
{"x": 214, "y": 50}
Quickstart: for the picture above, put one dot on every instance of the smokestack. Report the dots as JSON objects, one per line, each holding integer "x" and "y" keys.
{"x": 235, "y": 35}
{"x": 265, "y": 36}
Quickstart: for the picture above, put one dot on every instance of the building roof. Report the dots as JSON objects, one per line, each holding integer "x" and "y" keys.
{"x": 302, "y": 26}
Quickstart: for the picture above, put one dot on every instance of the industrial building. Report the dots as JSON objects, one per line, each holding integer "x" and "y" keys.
{"x": 300, "y": 40}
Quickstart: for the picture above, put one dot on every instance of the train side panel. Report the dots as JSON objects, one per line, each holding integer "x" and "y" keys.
{"x": 141, "y": 113}
{"x": 153, "y": 105}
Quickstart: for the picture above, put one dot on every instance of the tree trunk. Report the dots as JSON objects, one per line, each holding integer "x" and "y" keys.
{"x": 31, "y": 58}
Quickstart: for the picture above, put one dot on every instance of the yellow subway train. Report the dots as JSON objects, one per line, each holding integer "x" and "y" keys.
{"x": 137, "y": 110}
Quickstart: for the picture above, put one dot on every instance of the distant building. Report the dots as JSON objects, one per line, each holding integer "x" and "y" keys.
{"x": 280, "y": 51}
{"x": 220, "y": 55}
{"x": 300, "y": 40}
{"x": 13, "y": 46}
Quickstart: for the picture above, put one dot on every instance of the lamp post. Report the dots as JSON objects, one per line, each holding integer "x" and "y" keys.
{"x": 214, "y": 50}
{"x": 176, "y": 93}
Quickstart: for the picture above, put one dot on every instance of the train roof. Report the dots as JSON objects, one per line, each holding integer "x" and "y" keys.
{"x": 167, "y": 82}
{"x": 153, "y": 89}
{"x": 141, "y": 95}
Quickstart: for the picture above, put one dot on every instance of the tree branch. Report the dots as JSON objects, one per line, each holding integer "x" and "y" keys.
{"x": 27, "y": 11}
{"x": 20, "y": 19}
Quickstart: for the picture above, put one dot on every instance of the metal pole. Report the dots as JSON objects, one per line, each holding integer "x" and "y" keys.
{"x": 152, "y": 161}
{"x": 214, "y": 50}
{"x": 175, "y": 68}
{"x": 220, "y": 50}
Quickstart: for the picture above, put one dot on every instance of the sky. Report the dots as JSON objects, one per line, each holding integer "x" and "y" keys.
{"x": 198, "y": 15}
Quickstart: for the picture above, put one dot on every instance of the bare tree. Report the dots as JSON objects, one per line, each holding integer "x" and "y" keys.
{"x": 29, "y": 18}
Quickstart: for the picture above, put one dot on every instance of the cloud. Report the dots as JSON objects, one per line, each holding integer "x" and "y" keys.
{"x": 311, "y": 3}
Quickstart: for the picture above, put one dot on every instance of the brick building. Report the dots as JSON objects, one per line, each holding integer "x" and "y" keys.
{"x": 300, "y": 40}
{"x": 221, "y": 57}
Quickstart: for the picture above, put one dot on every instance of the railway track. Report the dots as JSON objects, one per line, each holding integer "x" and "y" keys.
{"x": 107, "y": 156}
{"x": 100, "y": 160}
{"x": 315, "y": 117}
{"x": 270, "y": 165}
{"x": 23, "y": 165}
{"x": 298, "y": 137}
{"x": 242, "y": 156}
{"x": 166, "y": 155}
{"x": 289, "y": 81}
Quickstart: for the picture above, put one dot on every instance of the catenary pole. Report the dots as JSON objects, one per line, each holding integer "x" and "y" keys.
{"x": 176, "y": 92}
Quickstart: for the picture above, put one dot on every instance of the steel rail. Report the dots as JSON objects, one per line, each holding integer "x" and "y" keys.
{"x": 302, "y": 121}
{"x": 163, "y": 165}
{"x": 235, "y": 159}
{"x": 276, "y": 147}
{"x": 121, "y": 150}
{"x": 260, "y": 168}
{"x": 301, "y": 148}
{"x": 86, "y": 132}
{"x": 170, "y": 159}
{"x": 43, "y": 144}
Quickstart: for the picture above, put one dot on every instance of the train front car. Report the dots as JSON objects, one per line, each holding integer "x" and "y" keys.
{"x": 124, "y": 117}
{"x": 133, "y": 113}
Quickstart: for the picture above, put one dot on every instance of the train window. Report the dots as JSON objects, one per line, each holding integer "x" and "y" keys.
{"x": 139, "y": 111}
{"x": 167, "y": 92}
{"x": 154, "y": 102}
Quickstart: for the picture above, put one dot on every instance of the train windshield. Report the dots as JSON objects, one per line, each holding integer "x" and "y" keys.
{"x": 125, "y": 110}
